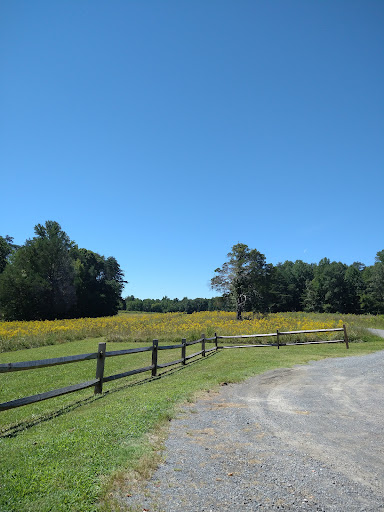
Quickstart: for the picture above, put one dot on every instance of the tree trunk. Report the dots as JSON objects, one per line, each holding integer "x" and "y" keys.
{"x": 239, "y": 307}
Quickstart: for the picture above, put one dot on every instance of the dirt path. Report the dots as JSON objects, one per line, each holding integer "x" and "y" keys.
{"x": 306, "y": 438}
{"x": 378, "y": 332}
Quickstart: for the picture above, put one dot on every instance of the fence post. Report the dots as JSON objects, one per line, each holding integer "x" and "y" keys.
{"x": 216, "y": 341}
{"x": 183, "y": 349}
{"x": 345, "y": 336}
{"x": 154, "y": 357}
{"x": 100, "y": 368}
{"x": 203, "y": 345}
{"x": 278, "y": 340}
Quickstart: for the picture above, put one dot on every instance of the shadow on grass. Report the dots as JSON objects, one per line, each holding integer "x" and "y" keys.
{"x": 17, "y": 428}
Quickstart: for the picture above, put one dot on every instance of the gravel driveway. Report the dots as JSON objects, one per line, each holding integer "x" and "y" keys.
{"x": 309, "y": 438}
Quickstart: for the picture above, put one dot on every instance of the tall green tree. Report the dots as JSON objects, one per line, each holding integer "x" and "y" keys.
{"x": 373, "y": 298}
{"x": 7, "y": 247}
{"x": 355, "y": 287}
{"x": 38, "y": 281}
{"x": 98, "y": 282}
{"x": 335, "y": 288}
{"x": 49, "y": 277}
{"x": 289, "y": 283}
{"x": 245, "y": 278}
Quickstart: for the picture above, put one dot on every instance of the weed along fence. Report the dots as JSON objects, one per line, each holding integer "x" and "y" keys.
{"x": 102, "y": 354}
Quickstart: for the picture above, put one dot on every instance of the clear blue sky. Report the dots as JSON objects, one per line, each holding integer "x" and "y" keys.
{"x": 163, "y": 132}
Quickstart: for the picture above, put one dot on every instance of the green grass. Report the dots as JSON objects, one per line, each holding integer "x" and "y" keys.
{"x": 67, "y": 453}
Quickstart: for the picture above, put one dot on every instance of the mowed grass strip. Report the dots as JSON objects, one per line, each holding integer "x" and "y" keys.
{"x": 65, "y": 453}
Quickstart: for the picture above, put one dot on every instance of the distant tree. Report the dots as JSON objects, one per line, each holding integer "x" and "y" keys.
{"x": 38, "y": 281}
{"x": 133, "y": 304}
{"x": 98, "y": 284}
{"x": 200, "y": 304}
{"x": 222, "y": 303}
{"x": 355, "y": 287}
{"x": 245, "y": 278}
{"x": 7, "y": 247}
{"x": 49, "y": 277}
{"x": 379, "y": 257}
{"x": 311, "y": 302}
{"x": 333, "y": 288}
{"x": 189, "y": 309}
{"x": 248, "y": 283}
{"x": 289, "y": 282}
{"x": 157, "y": 306}
{"x": 373, "y": 299}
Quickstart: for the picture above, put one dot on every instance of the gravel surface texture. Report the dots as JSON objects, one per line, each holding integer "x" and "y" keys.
{"x": 308, "y": 438}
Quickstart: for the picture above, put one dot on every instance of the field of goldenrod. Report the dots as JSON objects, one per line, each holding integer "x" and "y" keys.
{"x": 144, "y": 327}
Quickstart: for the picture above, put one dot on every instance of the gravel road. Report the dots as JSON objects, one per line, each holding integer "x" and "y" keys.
{"x": 308, "y": 438}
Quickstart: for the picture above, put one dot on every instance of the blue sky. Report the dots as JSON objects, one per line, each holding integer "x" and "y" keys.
{"x": 164, "y": 132}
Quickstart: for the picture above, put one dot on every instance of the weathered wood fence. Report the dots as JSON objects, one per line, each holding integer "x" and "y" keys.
{"x": 279, "y": 343}
{"x": 102, "y": 354}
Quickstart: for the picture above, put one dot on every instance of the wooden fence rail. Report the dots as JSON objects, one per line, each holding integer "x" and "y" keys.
{"x": 278, "y": 333}
{"x": 102, "y": 354}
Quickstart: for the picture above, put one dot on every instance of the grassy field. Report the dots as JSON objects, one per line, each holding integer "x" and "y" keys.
{"x": 169, "y": 327}
{"x": 72, "y": 452}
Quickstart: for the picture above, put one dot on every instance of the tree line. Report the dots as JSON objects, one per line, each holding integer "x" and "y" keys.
{"x": 167, "y": 305}
{"x": 249, "y": 283}
{"x": 50, "y": 277}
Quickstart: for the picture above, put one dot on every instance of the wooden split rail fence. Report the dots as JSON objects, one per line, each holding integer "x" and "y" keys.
{"x": 102, "y": 354}
{"x": 279, "y": 344}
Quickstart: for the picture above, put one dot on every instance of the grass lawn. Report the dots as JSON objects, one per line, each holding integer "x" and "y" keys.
{"x": 68, "y": 453}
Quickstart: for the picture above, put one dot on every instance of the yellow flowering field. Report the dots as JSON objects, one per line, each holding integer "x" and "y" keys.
{"x": 167, "y": 327}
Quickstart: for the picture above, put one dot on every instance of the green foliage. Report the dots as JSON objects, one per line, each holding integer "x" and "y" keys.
{"x": 248, "y": 283}
{"x": 288, "y": 285}
{"x": 328, "y": 291}
{"x": 98, "y": 282}
{"x": 380, "y": 257}
{"x": 49, "y": 277}
{"x": 167, "y": 305}
{"x": 7, "y": 247}
{"x": 329, "y": 287}
{"x": 355, "y": 287}
{"x": 374, "y": 296}
{"x": 38, "y": 281}
{"x": 245, "y": 277}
